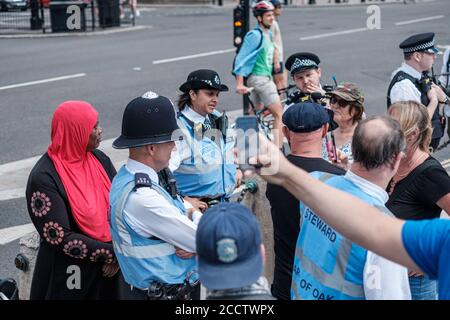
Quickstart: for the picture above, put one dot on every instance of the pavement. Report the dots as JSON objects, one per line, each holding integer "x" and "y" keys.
{"x": 108, "y": 70}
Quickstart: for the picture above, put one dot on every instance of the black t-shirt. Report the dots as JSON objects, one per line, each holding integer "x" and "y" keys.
{"x": 286, "y": 223}
{"x": 415, "y": 197}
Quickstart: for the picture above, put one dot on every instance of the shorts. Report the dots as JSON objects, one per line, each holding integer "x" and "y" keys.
{"x": 281, "y": 71}
{"x": 265, "y": 92}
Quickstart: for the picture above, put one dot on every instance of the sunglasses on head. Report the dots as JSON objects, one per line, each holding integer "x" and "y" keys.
{"x": 340, "y": 102}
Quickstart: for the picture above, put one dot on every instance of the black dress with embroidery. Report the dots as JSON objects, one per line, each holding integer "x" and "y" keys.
{"x": 69, "y": 263}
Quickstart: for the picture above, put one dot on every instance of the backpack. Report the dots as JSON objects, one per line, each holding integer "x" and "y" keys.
{"x": 239, "y": 49}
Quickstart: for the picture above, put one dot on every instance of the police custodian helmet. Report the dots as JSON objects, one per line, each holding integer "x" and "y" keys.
{"x": 148, "y": 119}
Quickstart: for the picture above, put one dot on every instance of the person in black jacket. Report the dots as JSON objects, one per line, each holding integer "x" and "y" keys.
{"x": 68, "y": 202}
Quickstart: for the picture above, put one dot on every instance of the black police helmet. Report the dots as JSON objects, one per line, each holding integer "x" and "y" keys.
{"x": 148, "y": 119}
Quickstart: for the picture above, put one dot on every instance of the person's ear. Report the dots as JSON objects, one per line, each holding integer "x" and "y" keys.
{"x": 286, "y": 132}
{"x": 417, "y": 56}
{"x": 192, "y": 95}
{"x": 319, "y": 72}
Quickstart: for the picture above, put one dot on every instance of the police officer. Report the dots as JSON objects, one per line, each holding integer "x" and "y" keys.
{"x": 153, "y": 236}
{"x": 410, "y": 83}
{"x": 305, "y": 72}
{"x": 203, "y": 163}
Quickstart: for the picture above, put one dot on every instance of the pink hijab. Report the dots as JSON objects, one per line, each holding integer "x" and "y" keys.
{"x": 85, "y": 180}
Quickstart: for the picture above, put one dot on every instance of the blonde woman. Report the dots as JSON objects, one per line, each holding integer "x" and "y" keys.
{"x": 421, "y": 187}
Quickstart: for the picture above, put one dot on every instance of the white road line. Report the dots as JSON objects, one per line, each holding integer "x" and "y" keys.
{"x": 418, "y": 20}
{"x": 71, "y": 76}
{"x": 325, "y": 35}
{"x": 205, "y": 54}
{"x": 10, "y": 234}
{"x": 12, "y": 194}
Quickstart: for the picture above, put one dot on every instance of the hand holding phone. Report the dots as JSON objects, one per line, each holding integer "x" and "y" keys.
{"x": 247, "y": 129}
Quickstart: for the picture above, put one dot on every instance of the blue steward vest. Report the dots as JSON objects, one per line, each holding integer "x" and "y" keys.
{"x": 143, "y": 260}
{"x": 328, "y": 266}
{"x": 210, "y": 172}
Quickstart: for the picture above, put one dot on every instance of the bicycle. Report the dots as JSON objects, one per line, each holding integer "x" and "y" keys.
{"x": 264, "y": 116}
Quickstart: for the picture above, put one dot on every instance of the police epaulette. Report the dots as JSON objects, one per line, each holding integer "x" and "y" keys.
{"x": 142, "y": 180}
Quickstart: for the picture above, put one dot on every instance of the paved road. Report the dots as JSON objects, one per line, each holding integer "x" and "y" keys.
{"x": 118, "y": 67}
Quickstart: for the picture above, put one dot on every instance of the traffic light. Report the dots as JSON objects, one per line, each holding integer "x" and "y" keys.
{"x": 239, "y": 25}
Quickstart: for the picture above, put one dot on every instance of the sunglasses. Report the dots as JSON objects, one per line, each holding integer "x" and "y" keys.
{"x": 341, "y": 103}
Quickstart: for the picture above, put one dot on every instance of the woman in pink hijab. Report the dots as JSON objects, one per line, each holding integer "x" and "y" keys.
{"x": 67, "y": 198}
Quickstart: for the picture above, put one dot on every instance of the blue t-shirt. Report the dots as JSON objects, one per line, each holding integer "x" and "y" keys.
{"x": 428, "y": 244}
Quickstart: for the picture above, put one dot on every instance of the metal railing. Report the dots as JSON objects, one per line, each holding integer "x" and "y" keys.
{"x": 67, "y": 16}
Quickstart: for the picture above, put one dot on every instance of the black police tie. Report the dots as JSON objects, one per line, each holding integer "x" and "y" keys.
{"x": 207, "y": 124}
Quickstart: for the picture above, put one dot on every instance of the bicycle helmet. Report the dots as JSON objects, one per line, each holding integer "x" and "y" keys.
{"x": 261, "y": 7}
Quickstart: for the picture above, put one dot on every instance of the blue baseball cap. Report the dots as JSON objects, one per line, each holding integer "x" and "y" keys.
{"x": 228, "y": 245}
{"x": 305, "y": 117}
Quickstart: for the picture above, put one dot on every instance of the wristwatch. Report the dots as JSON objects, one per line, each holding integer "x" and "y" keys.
{"x": 445, "y": 101}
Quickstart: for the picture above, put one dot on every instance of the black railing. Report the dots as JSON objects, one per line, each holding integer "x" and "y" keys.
{"x": 67, "y": 15}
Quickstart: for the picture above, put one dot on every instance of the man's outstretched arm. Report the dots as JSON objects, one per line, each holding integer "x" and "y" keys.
{"x": 353, "y": 218}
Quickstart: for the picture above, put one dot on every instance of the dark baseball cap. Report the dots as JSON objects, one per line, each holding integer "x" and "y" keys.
{"x": 228, "y": 246}
{"x": 305, "y": 117}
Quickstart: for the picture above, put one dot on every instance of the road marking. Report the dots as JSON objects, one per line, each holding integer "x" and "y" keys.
{"x": 418, "y": 20}
{"x": 199, "y": 55}
{"x": 11, "y": 234}
{"x": 325, "y": 35}
{"x": 443, "y": 163}
{"x": 31, "y": 83}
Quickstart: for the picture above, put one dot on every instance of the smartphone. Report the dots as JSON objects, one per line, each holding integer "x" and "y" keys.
{"x": 247, "y": 129}
{"x": 331, "y": 145}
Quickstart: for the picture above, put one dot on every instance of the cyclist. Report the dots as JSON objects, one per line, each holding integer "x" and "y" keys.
{"x": 255, "y": 62}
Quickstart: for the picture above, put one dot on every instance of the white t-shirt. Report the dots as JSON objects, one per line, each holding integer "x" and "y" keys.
{"x": 405, "y": 90}
{"x": 382, "y": 278}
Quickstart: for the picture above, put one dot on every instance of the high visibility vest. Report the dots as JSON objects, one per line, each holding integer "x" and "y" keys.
{"x": 210, "y": 172}
{"x": 143, "y": 260}
{"x": 328, "y": 266}
{"x": 438, "y": 130}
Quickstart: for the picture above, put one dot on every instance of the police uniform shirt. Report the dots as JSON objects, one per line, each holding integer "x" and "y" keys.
{"x": 149, "y": 214}
{"x": 406, "y": 90}
{"x": 183, "y": 149}
{"x": 383, "y": 279}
